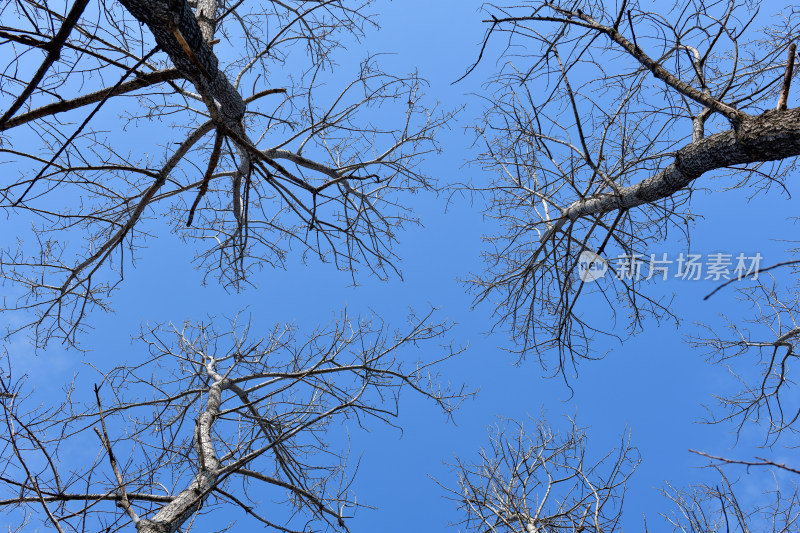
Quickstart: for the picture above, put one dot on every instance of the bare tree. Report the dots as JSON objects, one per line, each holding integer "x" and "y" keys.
{"x": 710, "y": 509}
{"x": 767, "y": 343}
{"x": 536, "y": 481}
{"x": 601, "y": 123}
{"x": 247, "y": 152}
{"x": 532, "y": 480}
{"x": 206, "y": 419}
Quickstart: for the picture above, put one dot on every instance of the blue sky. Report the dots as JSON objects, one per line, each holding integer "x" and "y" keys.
{"x": 652, "y": 385}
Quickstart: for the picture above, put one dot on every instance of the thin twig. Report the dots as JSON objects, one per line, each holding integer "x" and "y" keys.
{"x": 263, "y": 93}
{"x": 761, "y": 462}
{"x": 633, "y": 32}
{"x": 212, "y": 165}
{"x": 785, "y": 263}
{"x": 483, "y": 49}
{"x": 124, "y": 503}
{"x": 31, "y": 477}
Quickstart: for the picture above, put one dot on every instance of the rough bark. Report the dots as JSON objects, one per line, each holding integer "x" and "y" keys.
{"x": 163, "y": 17}
{"x": 170, "y": 518}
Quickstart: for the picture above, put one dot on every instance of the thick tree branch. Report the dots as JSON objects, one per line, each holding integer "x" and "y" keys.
{"x": 52, "y": 498}
{"x": 53, "y": 53}
{"x": 201, "y": 66}
{"x": 772, "y": 136}
{"x": 141, "y": 81}
{"x": 173, "y": 515}
{"x": 137, "y": 212}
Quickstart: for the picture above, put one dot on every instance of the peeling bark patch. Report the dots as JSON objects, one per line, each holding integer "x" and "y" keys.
{"x": 161, "y": 17}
